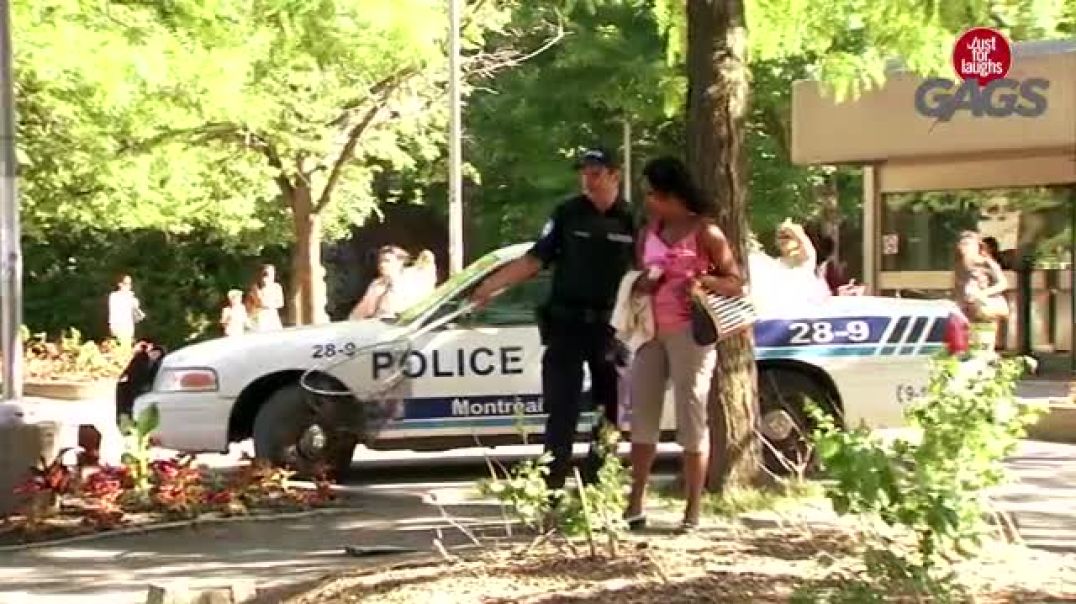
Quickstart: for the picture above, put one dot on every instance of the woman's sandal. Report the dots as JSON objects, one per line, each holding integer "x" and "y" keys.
{"x": 688, "y": 527}
{"x": 636, "y": 522}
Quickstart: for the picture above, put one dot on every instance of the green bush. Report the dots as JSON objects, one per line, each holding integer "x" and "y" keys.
{"x": 583, "y": 511}
{"x": 934, "y": 484}
{"x": 181, "y": 280}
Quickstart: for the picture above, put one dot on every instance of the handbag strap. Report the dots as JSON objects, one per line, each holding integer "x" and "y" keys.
{"x": 700, "y": 248}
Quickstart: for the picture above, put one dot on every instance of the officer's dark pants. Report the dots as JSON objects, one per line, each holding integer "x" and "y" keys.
{"x": 568, "y": 346}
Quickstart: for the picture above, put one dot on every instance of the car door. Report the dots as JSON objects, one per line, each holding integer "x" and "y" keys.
{"x": 480, "y": 375}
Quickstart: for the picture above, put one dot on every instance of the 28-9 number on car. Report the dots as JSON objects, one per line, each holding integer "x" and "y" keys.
{"x": 824, "y": 332}
{"x": 328, "y": 351}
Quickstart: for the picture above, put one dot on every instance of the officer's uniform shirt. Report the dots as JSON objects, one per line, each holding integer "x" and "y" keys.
{"x": 590, "y": 251}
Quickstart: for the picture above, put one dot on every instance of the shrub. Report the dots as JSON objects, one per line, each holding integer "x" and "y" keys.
{"x": 583, "y": 510}
{"x": 137, "y": 446}
{"x": 71, "y": 358}
{"x": 934, "y": 485}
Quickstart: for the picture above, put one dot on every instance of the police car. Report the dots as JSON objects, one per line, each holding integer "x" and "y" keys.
{"x": 476, "y": 378}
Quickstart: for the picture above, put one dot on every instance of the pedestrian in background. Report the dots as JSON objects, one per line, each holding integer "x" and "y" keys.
{"x": 265, "y": 299}
{"x": 234, "y": 318}
{"x": 979, "y": 288}
{"x": 589, "y": 241}
{"x": 400, "y": 283}
{"x": 124, "y": 311}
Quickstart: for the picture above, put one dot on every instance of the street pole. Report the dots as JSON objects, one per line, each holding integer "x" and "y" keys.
{"x": 1072, "y": 282}
{"x": 10, "y": 245}
{"x": 627, "y": 160}
{"x": 455, "y": 150}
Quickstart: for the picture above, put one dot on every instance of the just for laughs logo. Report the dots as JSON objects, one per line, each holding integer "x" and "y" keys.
{"x": 982, "y": 58}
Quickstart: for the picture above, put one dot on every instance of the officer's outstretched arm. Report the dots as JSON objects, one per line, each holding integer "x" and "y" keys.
{"x": 514, "y": 272}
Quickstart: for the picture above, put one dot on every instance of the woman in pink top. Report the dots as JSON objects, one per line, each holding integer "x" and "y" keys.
{"x": 677, "y": 248}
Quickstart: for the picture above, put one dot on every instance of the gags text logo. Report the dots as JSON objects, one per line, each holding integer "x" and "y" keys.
{"x": 982, "y": 58}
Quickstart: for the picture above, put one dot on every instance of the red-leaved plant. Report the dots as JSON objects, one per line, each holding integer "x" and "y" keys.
{"x": 177, "y": 486}
{"x": 46, "y": 484}
{"x": 103, "y": 491}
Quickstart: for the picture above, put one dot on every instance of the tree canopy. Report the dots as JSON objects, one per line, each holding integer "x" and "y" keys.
{"x": 269, "y": 122}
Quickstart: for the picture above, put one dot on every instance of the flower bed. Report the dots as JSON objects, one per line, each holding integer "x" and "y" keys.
{"x": 70, "y": 360}
{"x": 63, "y": 502}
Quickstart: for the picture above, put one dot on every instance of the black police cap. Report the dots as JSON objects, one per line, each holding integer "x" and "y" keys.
{"x": 596, "y": 156}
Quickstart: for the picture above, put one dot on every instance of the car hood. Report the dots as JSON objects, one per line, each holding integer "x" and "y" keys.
{"x": 283, "y": 342}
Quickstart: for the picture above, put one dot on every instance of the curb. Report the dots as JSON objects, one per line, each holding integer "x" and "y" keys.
{"x": 179, "y": 524}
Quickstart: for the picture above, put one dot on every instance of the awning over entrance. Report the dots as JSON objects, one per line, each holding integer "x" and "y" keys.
{"x": 884, "y": 124}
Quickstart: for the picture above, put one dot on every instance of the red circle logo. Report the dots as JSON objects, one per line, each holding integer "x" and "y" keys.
{"x": 982, "y": 54}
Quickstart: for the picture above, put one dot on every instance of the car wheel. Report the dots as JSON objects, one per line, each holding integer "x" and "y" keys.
{"x": 287, "y": 433}
{"x": 785, "y": 426}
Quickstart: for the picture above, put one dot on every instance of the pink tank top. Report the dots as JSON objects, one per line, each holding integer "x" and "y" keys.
{"x": 680, "y": 262}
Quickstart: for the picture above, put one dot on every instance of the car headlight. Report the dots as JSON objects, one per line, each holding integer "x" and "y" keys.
{"x": 187, "y": 380}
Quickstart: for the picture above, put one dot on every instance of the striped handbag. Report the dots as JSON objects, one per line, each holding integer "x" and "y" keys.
{"x": 715, "y": 317}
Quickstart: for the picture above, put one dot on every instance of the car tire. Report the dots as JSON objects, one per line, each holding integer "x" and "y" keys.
{"x": 785, "y": 426}
{"x": 286, "y": 434}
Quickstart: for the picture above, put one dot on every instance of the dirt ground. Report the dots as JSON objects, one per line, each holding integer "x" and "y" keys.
{"x": 733, "y": 564}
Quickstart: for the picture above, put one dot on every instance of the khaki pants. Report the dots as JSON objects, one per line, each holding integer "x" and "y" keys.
{"x": 672, "y": 356}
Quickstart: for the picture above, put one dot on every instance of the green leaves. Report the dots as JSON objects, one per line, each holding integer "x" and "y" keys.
{"x": 934, "y": 486}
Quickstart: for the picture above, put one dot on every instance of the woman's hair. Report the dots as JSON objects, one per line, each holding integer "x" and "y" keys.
{"x": 669, "y": 176}
{"x": 120, "y": 278}
{"x": 960, "y": 259}
{"x": 825, "y": 246}
{"x": 253, "y": 300}
{"x": 394, "y": 250}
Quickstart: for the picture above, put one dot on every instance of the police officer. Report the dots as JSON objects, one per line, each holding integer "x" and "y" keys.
{"x": 589, "y": 240}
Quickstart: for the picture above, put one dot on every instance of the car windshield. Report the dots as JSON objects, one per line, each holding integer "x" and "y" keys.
{"x": 453, "y": 283}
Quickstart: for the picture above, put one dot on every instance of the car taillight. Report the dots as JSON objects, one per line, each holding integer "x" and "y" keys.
{"x": 957, "y": 334}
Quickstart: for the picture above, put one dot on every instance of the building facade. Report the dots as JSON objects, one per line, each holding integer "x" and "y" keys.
{"x": 938, "y": 160}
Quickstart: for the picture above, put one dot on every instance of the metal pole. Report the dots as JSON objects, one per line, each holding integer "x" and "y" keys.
{"x": 872, "y": 243}
{"x": 455, "y": 151}
{"x": 627, "y": 160}
{"x": 10, "y": 246}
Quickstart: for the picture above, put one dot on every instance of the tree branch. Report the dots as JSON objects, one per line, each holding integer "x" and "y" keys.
{"x": 383, "y": 90}
{"x": 486, "y": 65}
{"x": 345, "y": 155}
{"x": 379, "y": 89}
{"x": 227, "y": 132}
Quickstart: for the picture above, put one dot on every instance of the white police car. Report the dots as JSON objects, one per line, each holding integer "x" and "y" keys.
{"x": 477, "y": 380}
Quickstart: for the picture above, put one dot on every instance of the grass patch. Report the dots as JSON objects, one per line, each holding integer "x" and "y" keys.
{"x": 783, "y": 495}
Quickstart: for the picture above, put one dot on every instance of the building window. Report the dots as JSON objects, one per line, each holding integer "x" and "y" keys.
{"x": 920, "y": 230}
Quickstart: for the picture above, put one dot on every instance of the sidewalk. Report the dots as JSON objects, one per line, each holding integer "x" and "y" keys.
{"x": 1043, "y": 501}
{"x": 282, "y": 553}
{"x": 272, "y": 554}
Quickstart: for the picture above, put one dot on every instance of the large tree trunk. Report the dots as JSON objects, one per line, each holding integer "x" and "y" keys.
{"x": 717, "y": 109}
{"x": 306, "y": 297}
